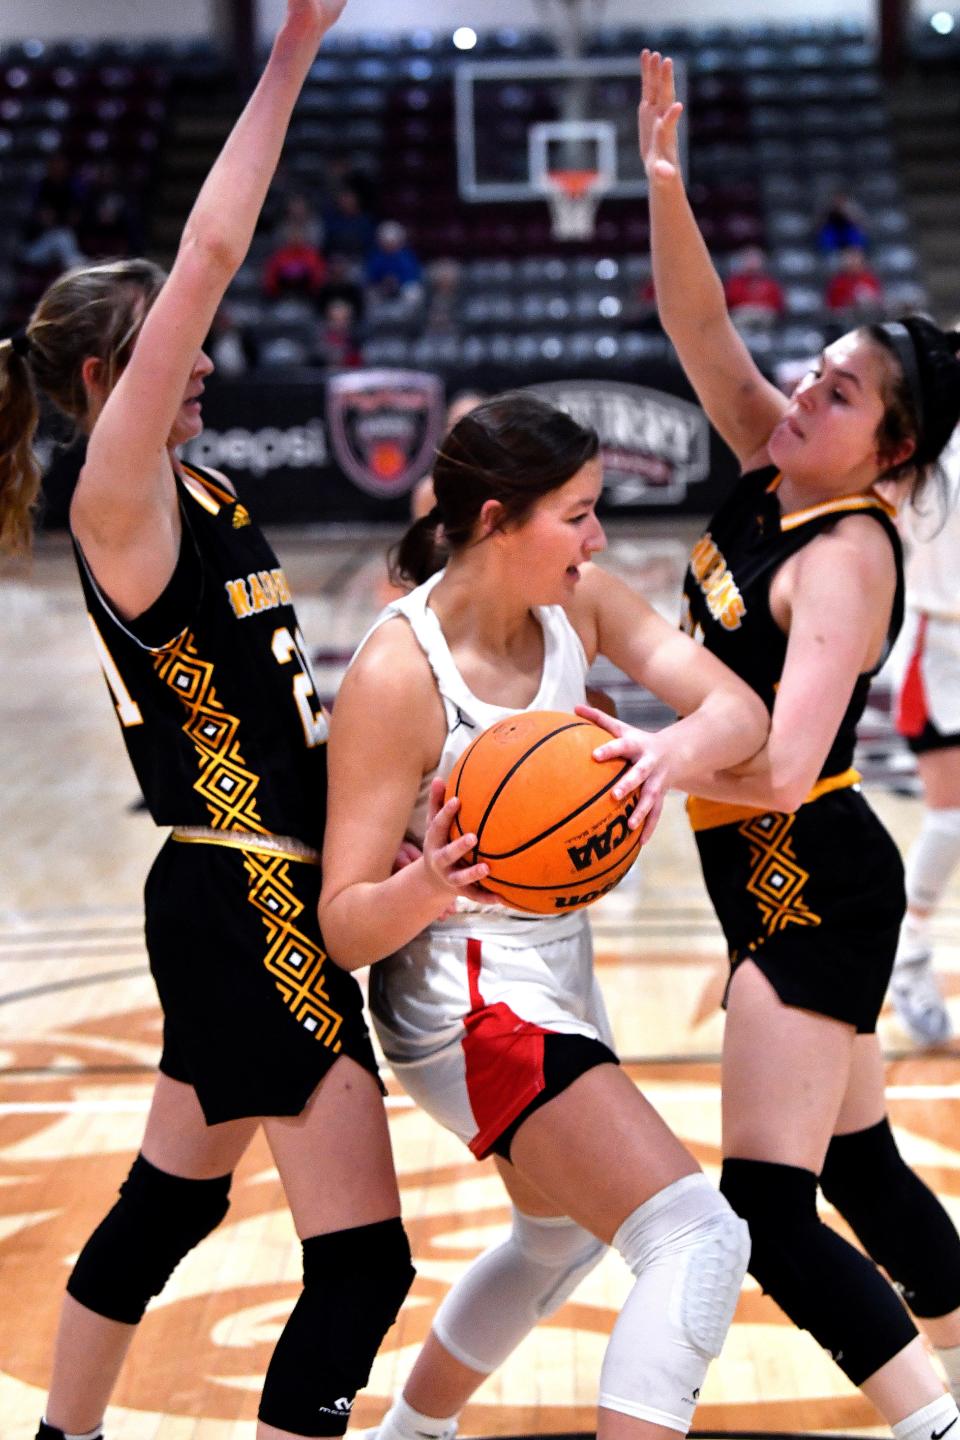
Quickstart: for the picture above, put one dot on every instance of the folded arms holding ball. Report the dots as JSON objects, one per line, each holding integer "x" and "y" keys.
{"x": 512, "y": 623}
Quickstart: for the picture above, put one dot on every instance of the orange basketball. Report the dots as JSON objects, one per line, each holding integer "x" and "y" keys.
{"x": 540, "y": 806}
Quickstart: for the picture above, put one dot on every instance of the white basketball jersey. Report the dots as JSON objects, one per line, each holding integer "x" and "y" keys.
{"x": 562, "y": 683}
{"x": 933, "y": 571}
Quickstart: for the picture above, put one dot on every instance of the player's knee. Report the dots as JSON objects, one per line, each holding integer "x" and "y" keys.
{"x": 689, "y": 1252}
{"x": 156, "y": 1221}
{"x": 512, "y": 1286}
{"x": 910, "y": 1234}
{"x": 562, "y": 1249}
{"x": 824, "y": 1284}
{"x": 354, "y": 1282}
{"x": 691, "y": 1234}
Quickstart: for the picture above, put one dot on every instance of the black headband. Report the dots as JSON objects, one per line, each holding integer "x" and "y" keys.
{"x": 20, "y": 343}
{"x": 902, "y": 343}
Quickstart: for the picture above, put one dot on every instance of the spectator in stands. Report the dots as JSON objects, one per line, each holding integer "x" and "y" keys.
{"x": 841, "y": 225}
{"x": 349, "y": 229}
{"x": 54, "y": 246}
{"x": 109, "y": 224}
{"x": 752, "y": 294}
{"x": 441, "y": 316}
{"x": 855, "y": 291}
{"x": 344, "y": 174}
{"x": 300, "y": 218}
{"x": 393, "y": 272}
{"x": 342, "y": 283}
{"x": 296, "y": 267}
{"x": 337, "y": 343}
{"x": 110, "y": 230}
{"x": 60, "y": 193}
{"x": 230, "y": 347}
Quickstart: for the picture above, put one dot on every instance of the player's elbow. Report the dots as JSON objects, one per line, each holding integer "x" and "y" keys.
{"x": 211, "y": 246}
{"x": 756, "y": 719}
{"x": 335, "y": 934}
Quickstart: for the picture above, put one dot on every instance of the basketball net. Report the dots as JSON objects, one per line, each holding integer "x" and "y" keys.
{"x": 573, "y": 197}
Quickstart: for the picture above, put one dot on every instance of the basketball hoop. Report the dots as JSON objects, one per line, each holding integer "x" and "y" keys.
{"x": 573, "y": 197}
{"x": 572, "y": 163}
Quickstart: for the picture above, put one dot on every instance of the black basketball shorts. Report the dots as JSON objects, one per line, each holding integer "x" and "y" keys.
{"x": 814, "y": 899}
{"x": 255, "y": 1012}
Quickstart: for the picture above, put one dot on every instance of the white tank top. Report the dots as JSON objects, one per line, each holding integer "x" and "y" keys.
{"x": 933, "y": 559}
{"x": 562, "y": 683}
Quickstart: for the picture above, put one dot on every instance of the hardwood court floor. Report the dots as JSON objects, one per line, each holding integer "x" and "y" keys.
{"x": 79, "y": 1035}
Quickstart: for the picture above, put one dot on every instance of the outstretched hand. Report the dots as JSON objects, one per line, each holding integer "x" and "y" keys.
{"x": 317, "y": 15}
{"x": 649, "y": 773}
{"x": 657, "y": 117}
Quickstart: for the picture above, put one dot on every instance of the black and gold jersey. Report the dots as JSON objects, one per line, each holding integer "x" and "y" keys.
{"x": 726, "y": 593}
{"x": 212, "y": 684}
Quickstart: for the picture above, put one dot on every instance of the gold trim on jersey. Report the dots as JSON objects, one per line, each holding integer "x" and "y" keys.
{"x": 709, "y": 814}
{"x": 212, "y": 491}
{"x": 200, "y": 493}
{"x": 868, "y": 500}
{"x": 282, "y": 845}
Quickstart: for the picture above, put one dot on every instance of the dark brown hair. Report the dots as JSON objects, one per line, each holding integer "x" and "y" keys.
{"x": 923, "y": 404}
{"x": 513, "y": 448}
{"x": 96, "y": 311}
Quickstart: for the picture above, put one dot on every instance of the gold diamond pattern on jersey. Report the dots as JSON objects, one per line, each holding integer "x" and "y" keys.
{"x": 776, "y": 879}
{"x": 229, "y": 790}
{"x": 295, "y": 962}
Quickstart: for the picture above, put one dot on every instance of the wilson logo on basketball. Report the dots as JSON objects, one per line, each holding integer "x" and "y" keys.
{"x": 598, "y": 847}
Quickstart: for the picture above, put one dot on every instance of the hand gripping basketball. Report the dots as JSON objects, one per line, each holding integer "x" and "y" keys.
{"x": 649, "y": 774}
{"x": 542, "y": 813}
{"x": 442, "y": 856}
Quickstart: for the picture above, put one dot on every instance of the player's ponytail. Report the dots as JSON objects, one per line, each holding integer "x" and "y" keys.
{"x": 19, "y": 471}
{"x": 420, "y": 553}
{"x": 97, "y": 311}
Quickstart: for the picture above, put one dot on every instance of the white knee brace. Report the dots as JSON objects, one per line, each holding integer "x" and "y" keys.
{"x": 512, "y": 1286}
{"x": 689, "y": 1252}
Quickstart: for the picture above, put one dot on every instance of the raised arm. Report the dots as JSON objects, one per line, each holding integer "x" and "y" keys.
{"x": 124, "y": 509}
{"x": 742, "y": 406}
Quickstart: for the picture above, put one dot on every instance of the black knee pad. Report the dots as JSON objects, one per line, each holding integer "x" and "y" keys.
{"x": 897, "y": 1219}
{"x": 822, "y": 1283}
{"x": 354, "y": 1283}
{"x": 135, "y": 1249}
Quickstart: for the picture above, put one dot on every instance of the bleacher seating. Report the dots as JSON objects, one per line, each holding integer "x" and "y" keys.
{"x": 781, "y": 117}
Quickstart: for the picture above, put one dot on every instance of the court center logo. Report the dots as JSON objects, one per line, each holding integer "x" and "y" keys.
{"x": 653, "y": 445}
{"x": 384, "y": 427}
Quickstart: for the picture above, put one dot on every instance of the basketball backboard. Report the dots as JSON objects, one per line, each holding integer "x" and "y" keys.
{"x": 500, "y": 104}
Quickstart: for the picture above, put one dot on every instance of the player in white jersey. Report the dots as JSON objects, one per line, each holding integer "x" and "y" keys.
{"x": 928, "y": 715}
{"x": 420, "y": 995}
{"x": 491, "y": 1016}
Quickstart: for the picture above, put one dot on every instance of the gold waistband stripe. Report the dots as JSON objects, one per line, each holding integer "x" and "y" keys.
{"x": 709, "y": 814}
{"x": 282, "y": 845}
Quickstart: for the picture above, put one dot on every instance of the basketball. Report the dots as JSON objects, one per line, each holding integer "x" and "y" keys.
{"x": 541, "y": 808}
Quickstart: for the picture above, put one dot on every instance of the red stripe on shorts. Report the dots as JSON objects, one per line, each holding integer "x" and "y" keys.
{"x": 912, "y": 713}
{"x": 504, "y": 1060}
